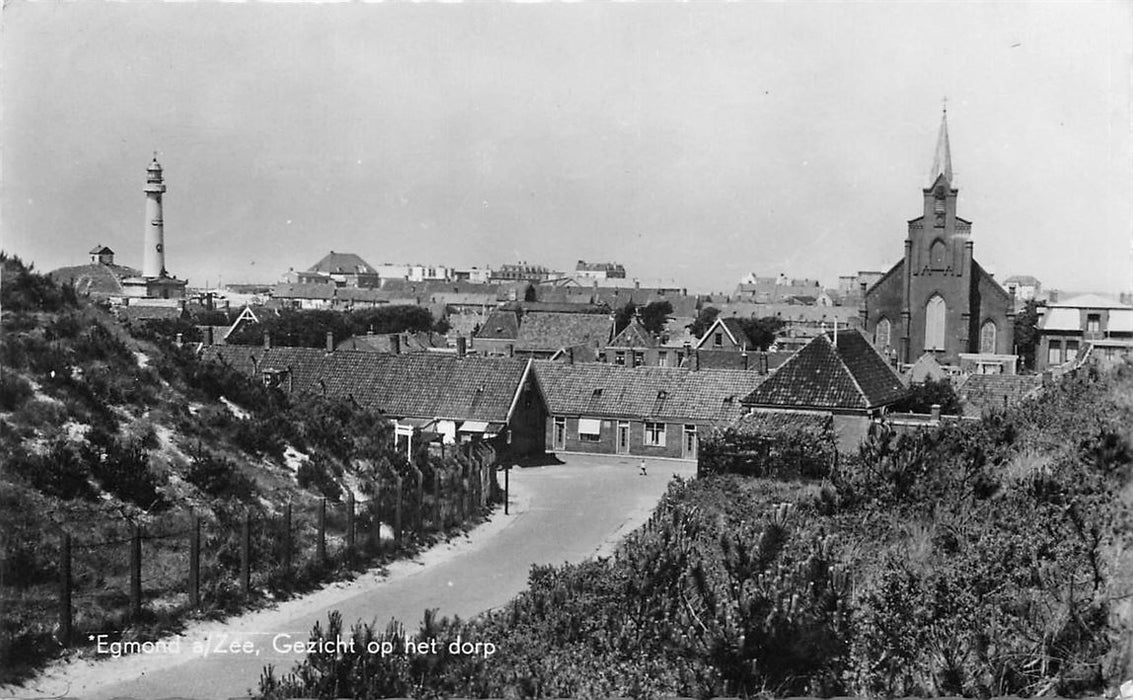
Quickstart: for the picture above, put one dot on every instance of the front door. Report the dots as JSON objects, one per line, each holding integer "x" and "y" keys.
{"x": 559, "y": 437}
{"x": 623, "y": 438}
{"x": 689, "y": 444}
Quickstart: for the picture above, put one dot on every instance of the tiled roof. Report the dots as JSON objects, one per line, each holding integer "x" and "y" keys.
{"x": 500, "y": 325}
{"x": 1089, "y": 301}
{"x": 100, "y": 250}
{"x": 416, "y": 385}
{"x": 147, "y": 313}
{"x": 979, "y": 393}
{"x": 303, "y": 291}
{"x": 634, "y": 336}
{"x": 848, "y": 376}
{"x": 668, "y": 393}
{"x": 775, "y": 422}
{"x": 730, "y": 359}
{"x": 95, "y": 280}
{"x": 407, "y": 342}
{"x": 374, "y": 296}
{"x": 552, "y": 331}
{"x": 342, "y": 263}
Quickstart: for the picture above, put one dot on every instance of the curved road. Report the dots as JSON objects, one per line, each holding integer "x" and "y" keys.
{"x": 560, "y": 513}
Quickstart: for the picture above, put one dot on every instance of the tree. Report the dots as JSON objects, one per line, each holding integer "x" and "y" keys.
{"x": 922, "y": 397}
{"x": 1027, "y": 333}
{"x": 762, "y": 331}
{"x": 654, "y": 315}
{"x": 704, "y": 319}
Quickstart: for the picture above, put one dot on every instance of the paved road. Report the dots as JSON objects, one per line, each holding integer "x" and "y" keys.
{"x": 561, "y": 513}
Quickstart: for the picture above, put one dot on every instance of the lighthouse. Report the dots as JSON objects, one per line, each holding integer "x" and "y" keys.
{"x": 154, "y": 282}
{"x": 153, "y": 261}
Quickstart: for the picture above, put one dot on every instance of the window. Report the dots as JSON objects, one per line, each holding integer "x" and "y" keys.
{"x": 938, "y": 255}
{"x": 718, "y": 341}
{"x": 987, "y": 337}
{"x": 1071, "y": 350}
{"x": 654, "y": 434}
{"x": 882, "y": 333}
{"x": 934, "y": 323}
{"x": 1093, "y": 323}
{"x": 589, "y": 429}
{"x": 619, "y": 358}
{"x": 1054, "y": 355}
{"x": 662, "y": 359}
{"x": 638, "y": 358}
{"x": 559, "y": 437}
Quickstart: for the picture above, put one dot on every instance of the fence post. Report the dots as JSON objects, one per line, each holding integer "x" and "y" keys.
{"x": 398, "y": 493}
{"x": 195, "y": 561}
{"x": 287, "y": 543}
{"x": 246, "y": 554}
{"x": 349, "y": 528}
{"x": 507, "y": 487}
{"x": 437, "y": 501}
{"x": 136, "y": 573}
{"x": 465, "y": 499}
{"x": 65, "y": 590}
{"x": 321, "y": 550}
{"x": 418, "y": 501}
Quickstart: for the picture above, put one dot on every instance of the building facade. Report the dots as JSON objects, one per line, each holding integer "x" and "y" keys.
{"x": 938, "y": 299}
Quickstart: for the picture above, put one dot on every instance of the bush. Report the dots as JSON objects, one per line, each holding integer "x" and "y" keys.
{"x": 14, "y": 390}
{"x": 220, "y": 478}
{"x": 123, "y": 469}
{"x": 314, "y": 475}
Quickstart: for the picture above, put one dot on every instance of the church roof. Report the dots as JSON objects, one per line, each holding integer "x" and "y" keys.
{"x": 942, "y": 159}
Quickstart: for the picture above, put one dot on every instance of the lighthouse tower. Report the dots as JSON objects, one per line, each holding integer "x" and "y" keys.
{"x": 153, "y": 261}
{"x": 155, "y": 282}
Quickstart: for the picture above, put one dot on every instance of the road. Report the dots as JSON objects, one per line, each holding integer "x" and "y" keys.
{"x": 560, "y": 513}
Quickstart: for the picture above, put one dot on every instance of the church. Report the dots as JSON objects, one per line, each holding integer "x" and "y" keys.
{"x": 937, "y": 299}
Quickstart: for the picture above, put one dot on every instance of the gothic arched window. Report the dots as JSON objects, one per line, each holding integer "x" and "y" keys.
{"x": 937, "y": 255}
{"x": 934, "y": 323}
{"x": 987, "y": 337}
{"x": 881, "y": 334}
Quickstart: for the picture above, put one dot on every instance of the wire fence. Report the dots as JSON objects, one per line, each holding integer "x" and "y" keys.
{"x": 123, "y": 572}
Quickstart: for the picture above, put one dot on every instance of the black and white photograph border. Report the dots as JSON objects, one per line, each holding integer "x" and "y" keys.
{"x": 640, "y": 349}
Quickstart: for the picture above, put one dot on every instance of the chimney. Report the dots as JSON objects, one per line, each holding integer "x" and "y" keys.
{"x": 330, "y": 341}
{"x": 395, "y": 343}
{"x": 570, "y": 356}
{"x": 1052, "y": 296}
{"x": 637, "y": 284}
{"x": 695, "y": 364}
{"x": 764, "y": 364}
{"x": 744, "y": 355}
{"x": 267, "y": 340}
{"x": 461, "y": 346}
{"x": 208, "y": 335}
{"x": 934, "y": 412}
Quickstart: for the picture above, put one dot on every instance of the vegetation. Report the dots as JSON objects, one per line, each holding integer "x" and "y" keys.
{"x": 104, "y": 428}
{"x": 653, "y": 316}
{"x": 309, "y": 328}
{"x": 980, "y": 559}
{"x": 704, "y": 320}
{"x": 1027, "y": 333}
{"x": 932, "y": 392}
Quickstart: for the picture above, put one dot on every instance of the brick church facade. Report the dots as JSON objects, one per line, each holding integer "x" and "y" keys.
{"x": 938, "y": 299}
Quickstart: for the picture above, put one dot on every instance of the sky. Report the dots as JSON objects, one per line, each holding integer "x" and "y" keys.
{"x": 689, "y": 142}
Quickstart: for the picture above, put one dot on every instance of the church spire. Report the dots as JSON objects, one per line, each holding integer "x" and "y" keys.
{"x": 942, "y": 160}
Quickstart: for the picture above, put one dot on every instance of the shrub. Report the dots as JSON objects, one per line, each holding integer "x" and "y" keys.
{"x": 122, "y": 468}
{"x": 314, "y": 475}
{"x": 220, "y": 478}
{"x": 14, "y": 390}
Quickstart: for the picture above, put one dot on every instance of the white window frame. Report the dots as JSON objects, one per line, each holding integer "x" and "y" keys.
{"x": 654, "y": 434}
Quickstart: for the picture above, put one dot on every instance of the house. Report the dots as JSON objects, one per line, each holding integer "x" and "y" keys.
{"x": 640, "y": 411}
{"x": 728, "y": 334}
{"x": 305, "y": 295}
{"x": 937, "y": 298}
{"x": 635, "y": 347}
{"x": 1024, "y": 288}
{"x": 839, "y": 373}
{"x": 599, "y": 271}
{"x": 1068, "y": 327}
{"x": 774, "y": 290}
{"x": 980, "y": 394}
{"x": 498, "y": 334}
{"x": 339, "y": 269}
{"x": 459, "y": 398}
{"x": 541, "y": 335}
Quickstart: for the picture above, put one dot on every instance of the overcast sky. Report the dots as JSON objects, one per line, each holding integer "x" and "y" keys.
{"x": 688, "y": 141}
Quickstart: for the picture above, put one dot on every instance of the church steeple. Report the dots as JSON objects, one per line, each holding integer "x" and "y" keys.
{"x": 942, "y": 160}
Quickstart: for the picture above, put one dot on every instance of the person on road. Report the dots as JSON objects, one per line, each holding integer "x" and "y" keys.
{"x": 642, "y": 467}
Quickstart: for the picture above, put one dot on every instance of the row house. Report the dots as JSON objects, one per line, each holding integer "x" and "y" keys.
{"x": 451, "y": 398}
{"x": 602, "y": 408}
{"x": 1067, "y": 328}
